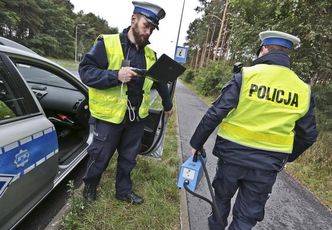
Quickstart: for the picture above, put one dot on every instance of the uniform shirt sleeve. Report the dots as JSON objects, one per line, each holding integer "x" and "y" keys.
{"x": 305, "y": 132}
{"x": 165, "y": 96}
{"x": 163, "y": 91}
{"x": 93, "y": 68}
{"x": 227, "y": 100}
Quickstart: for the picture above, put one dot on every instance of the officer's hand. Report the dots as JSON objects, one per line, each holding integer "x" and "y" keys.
{"x": 169, "y": 113}
{"x": 125, "y": 74}
{"x": 193, "y": 151}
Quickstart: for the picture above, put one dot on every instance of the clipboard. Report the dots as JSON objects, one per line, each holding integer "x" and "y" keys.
{"x": 164, "y": 70}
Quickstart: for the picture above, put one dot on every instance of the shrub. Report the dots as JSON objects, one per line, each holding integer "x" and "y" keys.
{"x": 188, "y": 75}
{"x": 323, "y": 95}
{"x": 209, "y": 80}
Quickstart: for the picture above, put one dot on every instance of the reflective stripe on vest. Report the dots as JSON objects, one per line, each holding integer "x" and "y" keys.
{"x": 272, "y": 99}
{"x": 110, "y": 104}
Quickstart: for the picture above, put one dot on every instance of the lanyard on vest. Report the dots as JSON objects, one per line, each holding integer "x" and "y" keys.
{"x": 130, "y": 108}
{"x": 126, "y": 63}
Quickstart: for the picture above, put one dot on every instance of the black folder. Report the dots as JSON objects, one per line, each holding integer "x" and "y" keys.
{"x": 165, "y": 70}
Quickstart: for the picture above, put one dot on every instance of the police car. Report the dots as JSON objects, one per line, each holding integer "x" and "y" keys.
{"x": 44, "y": 129}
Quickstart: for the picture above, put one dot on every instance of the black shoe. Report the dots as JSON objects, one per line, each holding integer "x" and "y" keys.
{"x": 131, "y": 198}
{"x": 89, "y": 192}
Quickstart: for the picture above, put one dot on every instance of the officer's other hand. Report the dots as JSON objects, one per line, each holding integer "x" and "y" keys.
{"x": 169, "y": 113}
{"x": 125, "y": 74}
{"x": 193, "y": 151}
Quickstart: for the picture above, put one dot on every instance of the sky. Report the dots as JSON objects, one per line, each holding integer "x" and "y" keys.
{"x": 118, "y": 13}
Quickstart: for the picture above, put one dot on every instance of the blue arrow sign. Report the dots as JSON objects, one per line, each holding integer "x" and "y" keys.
{"x": 181, "y": 54}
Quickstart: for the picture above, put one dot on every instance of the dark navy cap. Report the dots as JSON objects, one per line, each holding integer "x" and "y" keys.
{"x": 152, "y": 12}
{"x": 272, "y": 37}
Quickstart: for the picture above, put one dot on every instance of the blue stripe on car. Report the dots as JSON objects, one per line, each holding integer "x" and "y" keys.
{"x": 24, "y": 155}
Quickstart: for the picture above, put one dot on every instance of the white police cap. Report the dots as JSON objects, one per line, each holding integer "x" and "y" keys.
{"x": 152, "y": 12}
{"x": 272, "y": 37}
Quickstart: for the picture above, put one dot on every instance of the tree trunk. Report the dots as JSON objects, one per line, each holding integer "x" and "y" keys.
{"x": 204, "y": 49}
{"x": 211, "y": 43}
{"x": 192, "y": 58}
{"x": 197, "y": 58}
{"x": 224, "y": 40}
{"x": 222, "y": 23}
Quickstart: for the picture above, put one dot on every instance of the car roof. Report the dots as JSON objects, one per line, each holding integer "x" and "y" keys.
{"x": 15, "y": 49}
{"x": 20, "y": 52}
{"x": 12, "y": 47}
{"x": 10, "y": 43}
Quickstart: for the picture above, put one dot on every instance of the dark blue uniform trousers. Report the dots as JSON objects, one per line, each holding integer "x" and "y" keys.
{"x": 254, "y": 187}
{"x": 126, "y": 139}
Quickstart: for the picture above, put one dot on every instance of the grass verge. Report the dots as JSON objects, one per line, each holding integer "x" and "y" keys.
{"x": 313, "y": 169}
{"x": 66, "y": 63}
{"x": 207, "y": 99}
{"x": 154, "y": 179}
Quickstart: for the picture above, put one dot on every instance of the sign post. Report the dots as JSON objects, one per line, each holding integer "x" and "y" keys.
{"x": 181, "y": 54}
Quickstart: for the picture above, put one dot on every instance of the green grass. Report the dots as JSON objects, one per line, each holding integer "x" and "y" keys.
{"x": 207, "y": 99}
{"x": 313, "y": 169}
{"x": 154, "y": 179}
{"x": 66, "y": 63}
{"x": 5, "y": 111}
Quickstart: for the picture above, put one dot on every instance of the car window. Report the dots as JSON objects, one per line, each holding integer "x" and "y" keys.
{"x": 15, "y": 100}
{"x": 34, "y": 74}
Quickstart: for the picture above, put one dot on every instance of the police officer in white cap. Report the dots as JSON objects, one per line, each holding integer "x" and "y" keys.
{"x": 152, "y": 13}
{"x": 276, "y": 40}
{"x": 266, "y": 118}
{"x": 119, "y": 99}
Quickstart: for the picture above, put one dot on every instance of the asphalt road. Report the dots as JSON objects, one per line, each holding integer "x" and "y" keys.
{"x": 291, "y": 207}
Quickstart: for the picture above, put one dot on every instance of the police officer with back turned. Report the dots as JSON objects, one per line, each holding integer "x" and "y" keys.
{"x": 119, "y": 99}
{"x": 266, "y": 119}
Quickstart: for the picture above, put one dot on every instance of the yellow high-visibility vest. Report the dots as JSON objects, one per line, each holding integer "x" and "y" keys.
{"x": 272, "y": 99}
{"x": 111, "y": 104}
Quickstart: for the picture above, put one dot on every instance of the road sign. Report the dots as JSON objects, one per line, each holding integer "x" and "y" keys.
{"x": 181, "y": 54}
